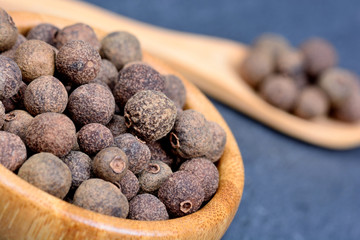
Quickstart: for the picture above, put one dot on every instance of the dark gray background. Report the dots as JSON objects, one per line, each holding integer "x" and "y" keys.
{"x": 292, "y": 190}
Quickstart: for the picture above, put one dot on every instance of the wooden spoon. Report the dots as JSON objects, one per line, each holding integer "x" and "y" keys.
{"x": 211, "y": 63}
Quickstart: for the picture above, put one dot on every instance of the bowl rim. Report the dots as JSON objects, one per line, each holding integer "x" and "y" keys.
{"x": 47, "y": 217}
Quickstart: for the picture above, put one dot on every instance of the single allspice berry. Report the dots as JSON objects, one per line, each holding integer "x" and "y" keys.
{"x": 190, "y": 136}
{"x": 13, "y": 151}
{"x": 47, "y": 172}
{"x": 91, "y": 103}
{"x": 78, "y": 61}
{"x": 8, "y": 31}
{"x": 80, "y": 167}
{"x": 94, "y": 137}
{"x": 51, "y": 132}
{"x": 10, "y": 78}
{"x": 137, "y": 152}
{"x": 153, "y": 176}
{"x": 182, "y": 193}
{"x": 206, "y": 172}
{"x": 10, "y": 53}
{"x": 290, "y": 61}
{"x": 110, "y": 164}
{"x": 108, "y": 74}
{"x": 45, "y": 32}
{"x": 349, "y": 110}
{"x": 17, "y": 122}
{"x": 147, "y": 207}
{"x": 121, "y": 48}
{"x": 150, "y": 115}
{"x": 271, "y": 44}
{"x": 103, "y": 197}
{"x": 35, "y": 58}
{"x": 45, "y": 94}
{"x": 134, "y": 78}
{"x": 129, "y": 185}
{"x": 77, "y": 31}
{"x": 117, "y": 125}
{"x": 175, "y": 90}
{"x": 218, "y": 141}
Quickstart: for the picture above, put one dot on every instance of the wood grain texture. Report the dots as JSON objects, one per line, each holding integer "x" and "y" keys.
{"x": 29, "y": 213}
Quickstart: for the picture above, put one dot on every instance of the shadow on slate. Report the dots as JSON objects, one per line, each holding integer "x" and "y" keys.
{"x": 293, "y": 190}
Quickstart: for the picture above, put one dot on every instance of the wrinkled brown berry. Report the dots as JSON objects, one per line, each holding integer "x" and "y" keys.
{"x": 175, "y": 90}
{"x": 160, "y": 153}
{"x": 108, "y": 74}
{"x": 80, "y": 166}
{"x": 117, "y": 125}
{"x": 45, "y": 94}
{"x": 94, "y": 137}
{"x": 91, "y": 103}
{"x": 10, "y": 53}
{"x": 279, "y": 91}
{"x": 121, "y": 48}
{"x": 8, "y": 31}
{"x": 349, "y": 110}
{"x": 13, "y": 151}
{"x": 10, "y": 78}
{"x": 110, "y": 164}
{"x": 338, "y": 84}
{"x": 17, "y": 122}
{"x": 206, "y": 172}
{"x": 129, "y": 185}
{"x": 150, "y": 115}
{"x": 103, "y": 197}
{"x": 182, "y": 193}
{"x": 78, "y": 61}
{"x": 147, "y": 207}
{"x": 319, "y": 55}
{"x": 47, "y": 172}
{"x": 35, "y": 58}
{"x": 51, "y": 132}
{"x": 135, "y": 78}
{"x": 190, "y": 136}
{"x": 44, "y": 32}
{"x": 312, "y": 102}
{"x": 78, "y": 31}
{"x": 153, "y": 176}
{"x": 137, "y": 152}
{"x": 218, "y": 141}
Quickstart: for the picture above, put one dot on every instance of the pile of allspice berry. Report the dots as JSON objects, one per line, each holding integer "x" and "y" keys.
{"x": 304, "y": 81}
{"x": 88, "y": 122}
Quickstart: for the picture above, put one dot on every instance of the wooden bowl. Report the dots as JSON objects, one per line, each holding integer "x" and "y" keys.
{"x": 27, "y": 212}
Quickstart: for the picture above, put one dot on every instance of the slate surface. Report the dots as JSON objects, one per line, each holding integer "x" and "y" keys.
{"x": 292, "y": 190}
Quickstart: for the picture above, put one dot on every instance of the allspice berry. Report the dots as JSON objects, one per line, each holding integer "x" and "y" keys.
{"x": 182, "y": 193}
{"x": 47, "y": 172}
{"x": 312, "y": 102}
{"x": 2, "y": 114}
{"x": 121, "y": 48}
{"x": 80, "y": 167}
{"x": 175, "y": 90}
{"x": 349, "y": 110}
{"x": 17, "y": 122}
{"x": 147, "y": 207}
{"x": 45, "y": 94}
{"x": 271, "y": 44}
{"x": 150, "y": 115}
{"x": 108, "y": 74}
{"x": 137, "y": 152}
{"x": 160, "y": 152}
{"x": 117, "y": 125}
{"x": 10, "y": 53}
{"x": 13, "y": 151}
{"x": 94, "y": 137}
{"x": 35, "y": 58}
{"x": 8, "y": 31}
{"x": 45, "y": 32}
{"x": 338, "y": 84}
{"x": 190, "y": 136}
{"x": 218, "y": 141}
{"x": 51, "y": 132}
{"x": 110, "y": 164}
{"x": 134, "y": 78}
{"x": 319, "y": 55}
{"x": 78, "y": 61}
{"x": 290, "y": 62}
{"x": 103, "y": 197}
{"x": 279, "y": 91}
{"x": 77, "y": 31}
{"x": 153, "y": 176}
{"x": 206, "y": 172}
{"x": 91, "y": 103}
{"x": 10, "y": 78}
{"x": 129, "y": 185}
